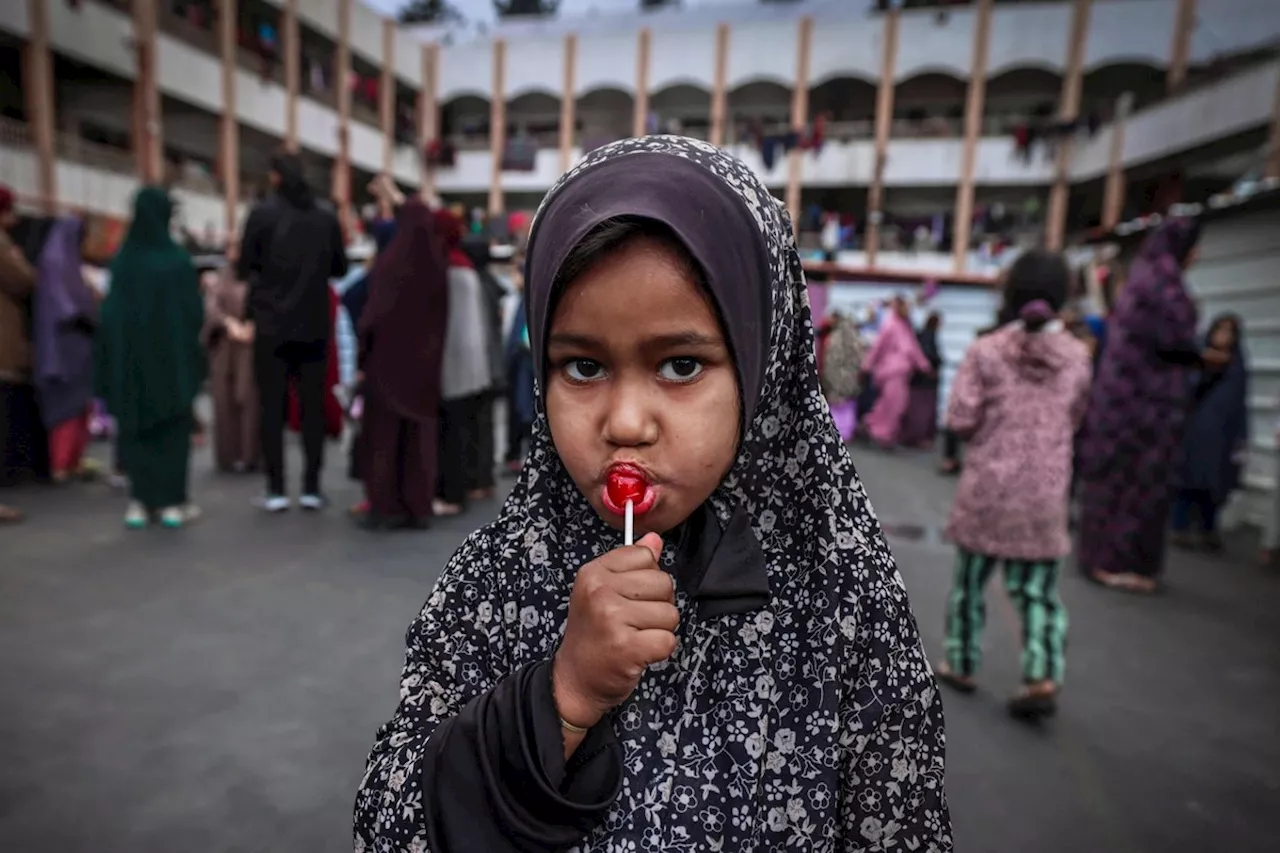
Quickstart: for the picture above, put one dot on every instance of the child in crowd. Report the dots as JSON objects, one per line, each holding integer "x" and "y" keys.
{"x": 1216, "y": 438}
{"x": 748, "y": 674}
{"x": 1017, "y": 399}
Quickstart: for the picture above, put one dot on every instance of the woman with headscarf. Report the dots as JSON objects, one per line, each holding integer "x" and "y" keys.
{"x": 1216, "y": 438}
{"x": 1018, "y": 397}
{"x": 1137, "y": 410}
{"x": 518, "y": 363}
{"x": 892, "y": 360}
{"x": 228, "y": 340}
{"x": 149, "y": 362}
{"x": 483, "y": 482}
{"x": 64, "y": 314}
{"x": 19, "y": 423}
{"x": 402, "y": 340}
{"x": 467, "y": 373}
{"x": 920, "y": 423}
{"x": 748, "y": 675}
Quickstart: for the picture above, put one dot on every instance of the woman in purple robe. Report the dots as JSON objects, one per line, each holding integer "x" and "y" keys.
{"x": 1132, "y": 437}
{"x": 64, "y": 315}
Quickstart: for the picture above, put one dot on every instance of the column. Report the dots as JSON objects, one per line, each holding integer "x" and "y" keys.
{"x": 644, "y": 42}
{"x": 1184, "y": 25}
{"x": 148, "y": 146}
{"x": 884, "y": 123}
{"x": 799, "y": 118}
{"x": 568, "y": 101}
{"x": 1113, "y": 190}
{"x": 962, "y": 223}
{"x": 1068, "y": 110}
{"x": 292, "y": 70}
{"x": 429, "y": 112}
{"x": 719, "y": 90}
{"x": 37, "y": 80}
{"x": 498, "y": 125}
{"x": 1273, "y": 138}
{"x": 342, "y": 86}
{"x": 229, "y": 144}
{"x": 387, "y": 95}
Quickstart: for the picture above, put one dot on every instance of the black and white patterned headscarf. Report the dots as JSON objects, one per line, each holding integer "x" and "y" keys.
{"x": 809, "y": 723}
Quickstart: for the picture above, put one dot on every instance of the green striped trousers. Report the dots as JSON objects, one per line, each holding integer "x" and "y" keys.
{"x": 1032, "y": 585}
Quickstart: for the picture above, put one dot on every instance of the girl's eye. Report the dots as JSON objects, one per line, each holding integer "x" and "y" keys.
{"x": 680, "y": 369}
{"x": 583, "y": 370}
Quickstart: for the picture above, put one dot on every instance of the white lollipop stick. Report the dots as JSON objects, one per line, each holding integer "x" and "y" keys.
{"x": 629, "y": 533}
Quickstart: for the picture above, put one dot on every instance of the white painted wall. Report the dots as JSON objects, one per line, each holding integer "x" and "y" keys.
{"x": 1202, "y": 115}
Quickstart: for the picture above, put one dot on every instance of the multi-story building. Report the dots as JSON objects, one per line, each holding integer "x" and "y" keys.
{"x": 918, "y": 113}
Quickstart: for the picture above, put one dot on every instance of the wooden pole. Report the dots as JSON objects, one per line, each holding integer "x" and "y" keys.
{"x": 148, "y": 144}
{"x": 1069, "y": 110}
{"x": 387, "y": 95}
{"x": 884, "y": 124}
{"x": 799, "y": 118}
{"x": 644, "y": 43}
{"x": 568, "y": 101}
{"x": 1273, "y": 141}
{"x": 229, "y": 149}
{"x": 963, "y": 217}
{"x": 292, "y": 71}
{"x": 498, "y": 126}
{"x": 719, "y": 91}
{"x": 342, "y": 82}
{"x": 40, "y": 103}
{"x": 1180, "y": 50}
{"x": 1113, "y": 191}
{"x": 429, "y": 111}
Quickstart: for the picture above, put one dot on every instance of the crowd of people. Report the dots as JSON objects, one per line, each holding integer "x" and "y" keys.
{"x": 440, "y": 339}
{"x": 642, "y": 677}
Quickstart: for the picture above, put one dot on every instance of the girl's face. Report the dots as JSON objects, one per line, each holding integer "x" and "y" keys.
{"x": 1223, "y": 336}
{"x": 639, "y": 372}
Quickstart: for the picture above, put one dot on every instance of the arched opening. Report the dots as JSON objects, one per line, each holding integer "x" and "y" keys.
{"x": 682, "y": 108}
{"x": 465, "y": 120}
{"x": 849, "y": 104}
{"x": 535, "y": 114}
{"x": 604, "y": 115}
{"x": 929, "y": 104}
{"x": 1104, "y": 85}
{"x": 1018, "y": 96}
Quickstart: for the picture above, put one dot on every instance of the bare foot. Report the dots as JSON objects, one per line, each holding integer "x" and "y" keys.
{"x": 444, "y": 509}
{"x": 10, "y": 515}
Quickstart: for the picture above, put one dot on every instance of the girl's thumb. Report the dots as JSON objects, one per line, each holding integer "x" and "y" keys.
{"x": 653, "y": 542}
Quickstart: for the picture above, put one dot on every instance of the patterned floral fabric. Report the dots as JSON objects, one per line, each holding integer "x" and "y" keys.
{"x": 812, "y": 724}
{"x": 1016, "y": 401}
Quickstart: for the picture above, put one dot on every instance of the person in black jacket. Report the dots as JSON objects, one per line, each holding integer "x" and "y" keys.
{"x": 290, "y": 249}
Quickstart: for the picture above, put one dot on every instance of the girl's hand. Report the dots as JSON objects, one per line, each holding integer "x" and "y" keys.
{"x": 622, "y": 617}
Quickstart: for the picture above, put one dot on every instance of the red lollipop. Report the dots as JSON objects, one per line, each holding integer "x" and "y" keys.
{"x": 624, "y": 485}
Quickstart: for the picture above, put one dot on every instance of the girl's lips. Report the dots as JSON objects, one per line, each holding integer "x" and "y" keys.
{"x": 640, "y": 506}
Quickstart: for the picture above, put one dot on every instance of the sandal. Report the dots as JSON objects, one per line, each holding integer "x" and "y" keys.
{"x": 10, "y": 515}
{"x": 1030, "y": 705}
{"x": 959, "y": 683}
{"x": 443, "y": 509}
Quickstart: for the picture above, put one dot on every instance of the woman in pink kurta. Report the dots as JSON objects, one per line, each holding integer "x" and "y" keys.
{"x": 893, "y": 359}
{"x": 1017, "y": 399}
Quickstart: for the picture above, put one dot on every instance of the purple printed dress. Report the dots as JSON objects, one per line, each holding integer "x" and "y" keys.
{"x": 1133, "y": 431}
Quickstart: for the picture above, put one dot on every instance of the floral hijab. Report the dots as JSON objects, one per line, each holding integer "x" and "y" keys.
{"x": 800, "y": 717}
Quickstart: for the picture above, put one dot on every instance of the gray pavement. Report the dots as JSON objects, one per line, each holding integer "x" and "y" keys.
{"x": 216, "y": 689}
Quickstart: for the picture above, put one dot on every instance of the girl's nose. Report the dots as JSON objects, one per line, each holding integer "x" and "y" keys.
{"x": 630, "y": 421}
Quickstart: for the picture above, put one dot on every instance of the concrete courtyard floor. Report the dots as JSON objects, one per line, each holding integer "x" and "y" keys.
{"x": 216, "y": 689}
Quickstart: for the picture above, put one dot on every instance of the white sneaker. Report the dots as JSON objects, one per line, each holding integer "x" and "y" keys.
{"x": 273, "y": 503}
{"x": 313, "y": 502}
{"x": 190, "y": 512}
{"x": 173, "y": 517}
{"x": 135, "y": 517}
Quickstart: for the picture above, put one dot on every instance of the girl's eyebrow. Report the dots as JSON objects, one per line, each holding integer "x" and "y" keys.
{"x": 687, "y": 338}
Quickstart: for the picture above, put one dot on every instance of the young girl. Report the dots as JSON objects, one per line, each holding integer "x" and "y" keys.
{"x": 1017, "y": 399}
{"x": 748, "y": 675}
{"x": 1216, "y": 438}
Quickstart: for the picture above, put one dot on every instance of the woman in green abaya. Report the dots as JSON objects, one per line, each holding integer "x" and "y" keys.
{"x": 150, "y": 364}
